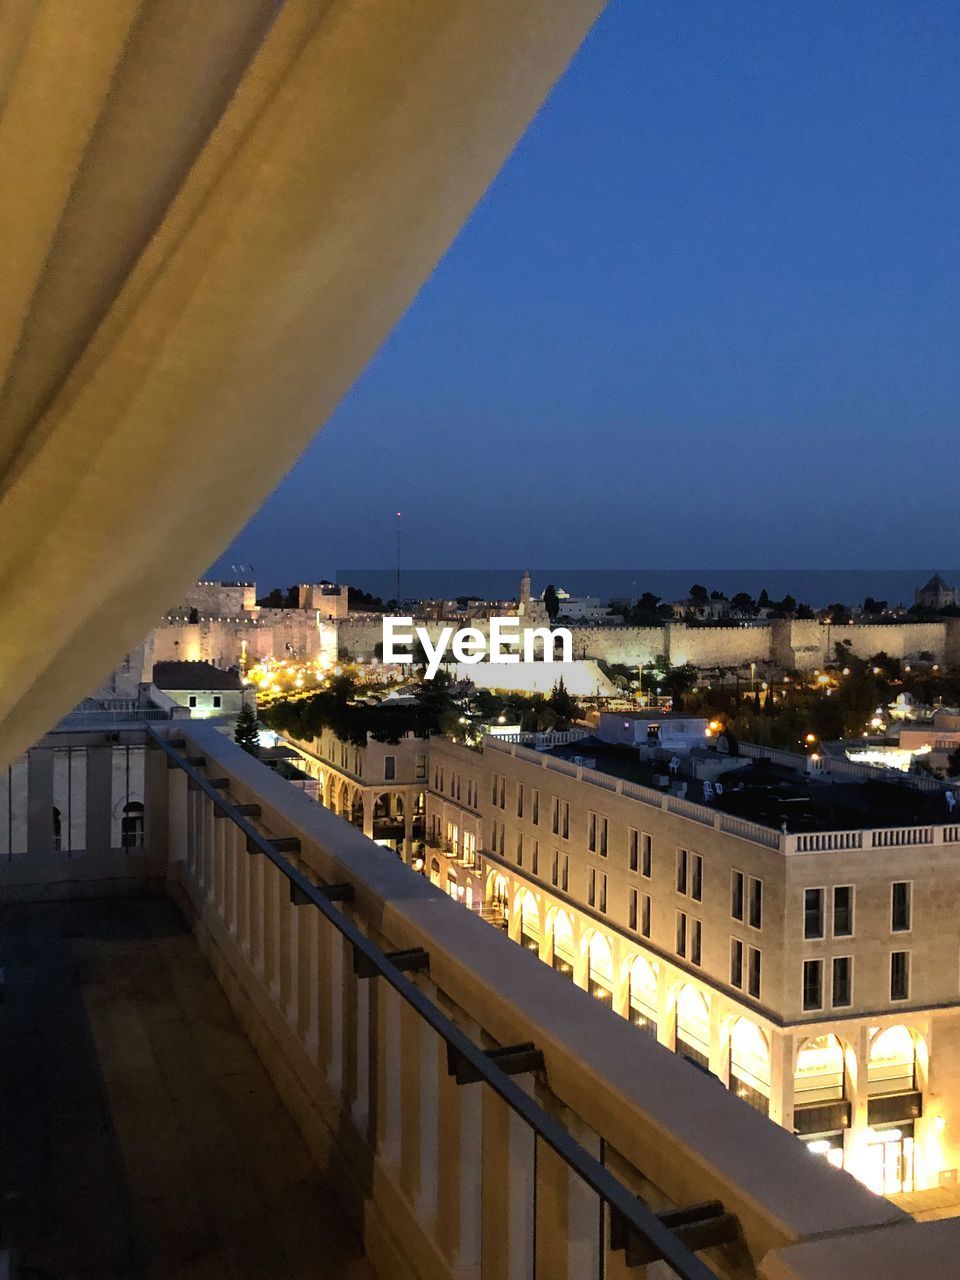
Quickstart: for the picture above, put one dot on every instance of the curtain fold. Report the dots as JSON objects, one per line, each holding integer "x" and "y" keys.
{"x": 211, "y": 217}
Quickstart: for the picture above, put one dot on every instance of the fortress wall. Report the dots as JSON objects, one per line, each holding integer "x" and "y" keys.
{"x": 717, "y": 646}
{"x": 627, "y": 646}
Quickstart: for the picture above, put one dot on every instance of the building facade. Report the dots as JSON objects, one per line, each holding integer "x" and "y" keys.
{"x": 817, "y": 975}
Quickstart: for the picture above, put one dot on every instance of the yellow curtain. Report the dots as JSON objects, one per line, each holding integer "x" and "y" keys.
{"x": 211, "y": 214}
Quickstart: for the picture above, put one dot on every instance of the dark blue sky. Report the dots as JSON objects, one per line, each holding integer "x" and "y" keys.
{"x": 707, "y": 315}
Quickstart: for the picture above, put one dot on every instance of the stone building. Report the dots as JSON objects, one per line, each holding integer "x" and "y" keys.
{"x": 814, "y": 972}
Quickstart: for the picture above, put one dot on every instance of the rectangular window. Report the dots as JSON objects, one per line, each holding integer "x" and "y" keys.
{"x": 216, "y": 700}
{"x": 736, "y": 963}
{"x": 592, "y": 831}
{"x": 681, "y": 933}
{"x": 646, "y": 854}
{"x": 696, "y": 939}
{"x": 535, "y": 808}
{"x": 756, "y": 903}
{"x": 736, "y": 895}
{"x": 535, "y": 858}
{"x": 519, "y": 799}
{"x": 602, "y": 850}
{"x": 645, "y": 914}
{"x": 591, "y": 888}
{"x": 494, "y": 787}
{"x": 842, "y": 982}
{"x": 555, "y": 868}
{"x": 813, "y": 913}
{"x": 555, "y": 816}
{"x": 632, "y": 898}
{"x": 813, "y": 984}
{"x": 389, "y": 768}
{"x": 753, "y": 973}
{"x": 420, "y": 771}
{"x": 633, "y": 841}
{"x": 900, "y": 906}
{"x": 681, "y": 871}
{"x": 565, "y": 878}
{"x": 192, "y": 700}
{"x": 602, "y": 902}
{"x": 503, "y": 791}
{"x": 520, "y": 849}
{"x": 565, "y": 823}
{"x": 900, "y": 975}
{"x": 696, "y": 888}
{"x": 843, "y": 911}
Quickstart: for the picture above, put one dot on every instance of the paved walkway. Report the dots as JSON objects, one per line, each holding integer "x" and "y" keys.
{"x": 926, "y": 1206}
{"x": 140, "y": 1135}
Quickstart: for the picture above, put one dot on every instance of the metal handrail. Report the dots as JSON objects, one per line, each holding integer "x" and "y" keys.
{"x": 637, "y": 1215}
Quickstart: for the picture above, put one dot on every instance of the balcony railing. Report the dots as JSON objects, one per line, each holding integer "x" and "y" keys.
{"x": 480, "y": 1115}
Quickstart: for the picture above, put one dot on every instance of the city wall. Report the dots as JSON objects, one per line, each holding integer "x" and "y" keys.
{"x": 791, "y": 644}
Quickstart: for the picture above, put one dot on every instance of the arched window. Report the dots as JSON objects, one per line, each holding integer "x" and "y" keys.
{"x": 821, "y": 1112}
{"x": 600, "y": 968}
{"x": 693, "y": 1026}
{"x": 131, "y": 826}
{"x": 750, "y": 1065}
{"x": 563, "y": 954}
{"x": 529, "y": 923}
{"x": 893, "y": 1062}
{"x": 642, "y": 999}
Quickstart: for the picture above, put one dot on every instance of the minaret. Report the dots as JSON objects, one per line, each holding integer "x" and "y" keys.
{"x": 525, "y": 592}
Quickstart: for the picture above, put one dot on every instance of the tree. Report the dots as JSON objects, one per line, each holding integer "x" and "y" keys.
{"x": 564, "y": 706}
{"x": 247, "y": 731}
{"x": 678, "y": 681}
{"x": 551, "y": 602}
{"x": 744, "y": 602}
{"x": 699, "y": 595}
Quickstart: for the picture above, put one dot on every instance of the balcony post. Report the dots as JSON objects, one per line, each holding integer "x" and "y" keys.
{"x": 459, "y": 1115}
{"x": 387, "y": 1075}
{"x": 178, "y": 826}
{"x": 99, "y": 797}
{"x": 306, "y": 946}
{"x": 156, "y": 834}
{"x": 508, "y": 1191}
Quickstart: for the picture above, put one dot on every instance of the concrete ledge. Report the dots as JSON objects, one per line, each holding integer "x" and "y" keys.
{"x": 891, "y": 1253}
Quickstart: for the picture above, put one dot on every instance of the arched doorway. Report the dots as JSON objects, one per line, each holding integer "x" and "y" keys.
{"x": 643, "y": 995}
{"x": 894, "y": 1103}
{"x": 821, "y": 1109}
{"x": 435, "y": 872}
{"x": 454, "y": 889}
{"x": 693, "y": 1027}
{"x": 563, "y": 951}
{"x": 530, "y": 923}
{"x": 356, "y": 810}
{"x": 131, "y": 826}
{"x": 750, "y": 1065}
{"x": 600, "y": 968}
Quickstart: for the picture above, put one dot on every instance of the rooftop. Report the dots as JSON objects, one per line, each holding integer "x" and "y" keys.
{"x": 774, "y": 790}
{"x": 194, "y": 675}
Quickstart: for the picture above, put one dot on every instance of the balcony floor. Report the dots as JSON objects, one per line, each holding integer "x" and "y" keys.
{"x": 140, "y": 1135}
